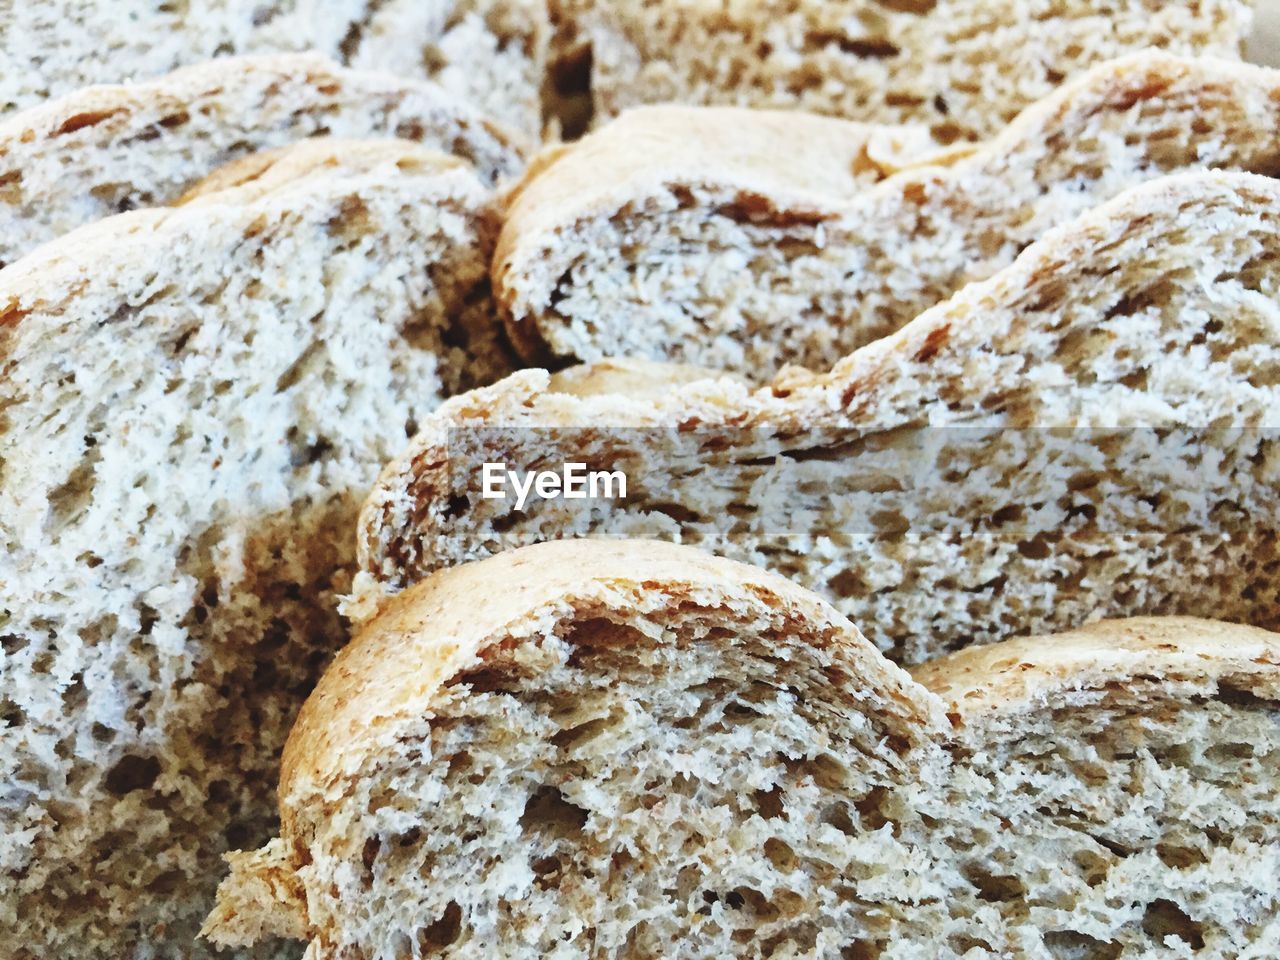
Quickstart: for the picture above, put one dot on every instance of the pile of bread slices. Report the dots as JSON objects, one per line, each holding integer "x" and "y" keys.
{"x": 939, "y": 342}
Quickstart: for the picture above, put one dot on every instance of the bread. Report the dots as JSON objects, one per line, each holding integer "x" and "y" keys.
{"x": 1082, "y": 435}
{"x": 654, "y": 186}
{"x": 105, "y": 150}
{"x": 490, "y": 53}
{"x": 962, "y": 69}
{"x": 195, "y": 400}
{"x": 1134, "y": 761}
{"x": 1264, "y": 42}
{"x": 750, "y": 253}
{"x": 633, "y": 749}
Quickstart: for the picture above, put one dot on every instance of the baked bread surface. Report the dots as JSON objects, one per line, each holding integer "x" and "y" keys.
{"x": 595, "y": 748}
{"x": 108, "y": 149}
{"x": 753, "y": 251}
{"x": 1082, "y": 435}
{"x": 195, "y": 401}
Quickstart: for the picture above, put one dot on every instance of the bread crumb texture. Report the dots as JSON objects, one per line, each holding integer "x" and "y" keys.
{"x": 960, "y": 68}
{"x": 773, "y": 242}
{"x": 1083, "y": 435}
{"x": 490, "y": 53}
{"x": 192, "y": 403}
{"x": 635, "y": 750}
{"x": 108, "y": 149}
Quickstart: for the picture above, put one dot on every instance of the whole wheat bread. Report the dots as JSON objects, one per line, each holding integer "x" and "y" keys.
{"x": 108, "y": 149}
{"x": 635, "y": 750}
{"x": 490, "y": 53}
{"x": 1082, "y": 435}
{"x": 651, "y": 188}
{"x": 961, "y": 68}
{"x": 192, "y": 403}
{"x": 749, "y": 253}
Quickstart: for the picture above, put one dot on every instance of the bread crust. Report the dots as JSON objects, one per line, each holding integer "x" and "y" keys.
{"x": 637, "y": 379}
{"x": 669, "y": 146}
{"x": 1019, "y": 676}
{"x": 259, "y": 174}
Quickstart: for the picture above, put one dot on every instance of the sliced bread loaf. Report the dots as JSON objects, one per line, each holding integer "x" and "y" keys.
{"x": 633, "y": 750}
{"x": 1084, "y": 434}
{"x": 961, "y": 68}
{"x": 490, "y": 53}
{"x": 193, "y": 402}
{"x": 750, "y": 252}
{"x": 105, "y": 150}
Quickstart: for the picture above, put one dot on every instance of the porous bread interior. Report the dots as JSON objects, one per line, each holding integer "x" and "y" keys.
{"x": 193, "y": 403}
{"x": 678, "y": 153}
{"x": 624, "y": 785}
{"x": 706, "y": 781}
{"x": 105, "y": 150}
{"x": 917, "y": 485}
{"x": 693, "y": 266}
{"x": 961, "y": 68}
{"x": 492, "y": 53}
{"x": 489, "y": 53}
{"x": 1106, "y": 820}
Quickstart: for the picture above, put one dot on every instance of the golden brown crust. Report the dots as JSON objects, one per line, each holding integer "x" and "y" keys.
{"x": 426, "y": 635}
{"x": 653, "y": 147}
{"x": 1018, "y": 675}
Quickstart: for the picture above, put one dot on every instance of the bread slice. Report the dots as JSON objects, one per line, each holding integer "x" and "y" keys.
{"x": 567, "y": 654}
{"x": 656, "y": 189}
{"x": 490, "y": 53}
{"x": 195, "y": 401}
{"x": 1113, "y": 791}
{"x": 1082, "y": 435}
{"x": 962, "y": 69}
{"x": 106, "y": 150}
{"x": 752, "y": 253}
{"x": 634, "y": 749}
